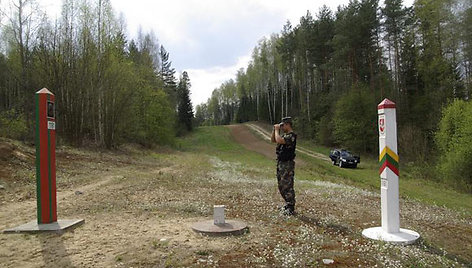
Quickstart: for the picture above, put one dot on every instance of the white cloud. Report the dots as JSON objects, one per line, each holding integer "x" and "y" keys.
{"x": 204, "y": 81}
{"x": 210, "y": 39}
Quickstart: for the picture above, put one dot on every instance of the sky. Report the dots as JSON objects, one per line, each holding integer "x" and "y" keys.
{"x": 210, "y": 39}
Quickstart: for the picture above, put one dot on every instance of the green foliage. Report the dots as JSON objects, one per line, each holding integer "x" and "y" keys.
{"x": 354, "y": 120}
{"x": 167, "y": 74}
{"x": 13, "y": 125}
{"x": 155, "y": 125}
{"x": 222, "y": 107}
{"x": 109, "y": 90}
{"x": 414, "y": 55}
{"x": 324, "y": 134}
{"x": 455, "y": 145}
{"x": 201, "y": 114}
{"x": 184, "y": 107}
{"x": 439, "y": 48}
{"x": 355, "y": 40}
{"x": 467, "y": 39}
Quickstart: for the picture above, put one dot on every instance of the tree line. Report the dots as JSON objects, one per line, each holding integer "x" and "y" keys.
{"x": 109, "y": 89}
{"x": 331, "y": 70}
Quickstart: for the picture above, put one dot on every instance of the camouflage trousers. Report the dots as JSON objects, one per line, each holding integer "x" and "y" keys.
{"x": 285, "y": 176}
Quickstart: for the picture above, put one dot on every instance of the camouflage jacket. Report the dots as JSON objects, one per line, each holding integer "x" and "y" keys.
{"x": 286, "y": 152}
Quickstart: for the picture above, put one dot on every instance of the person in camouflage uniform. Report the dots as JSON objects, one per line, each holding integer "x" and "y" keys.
{"x": 285, "y": 150}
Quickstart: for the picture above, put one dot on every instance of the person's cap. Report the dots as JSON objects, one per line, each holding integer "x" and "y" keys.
{"x": 287, "y": 120}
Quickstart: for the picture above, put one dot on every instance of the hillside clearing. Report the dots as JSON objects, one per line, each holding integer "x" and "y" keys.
{"x": 139, "y": 205}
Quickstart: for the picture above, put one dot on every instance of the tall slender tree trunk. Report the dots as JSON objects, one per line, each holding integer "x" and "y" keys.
{"x": 268, "y": 104}
{"x": 390, "y": 61}
{"x": 274, "y": 107}
{"x": 397, "y": 64}
{"x": 282, "y": 91}
{"x": 286, "y": 96}
{"x": 292, "y": 91}
{"x": 257, "y": 104}
{"x": 101, "y": 126}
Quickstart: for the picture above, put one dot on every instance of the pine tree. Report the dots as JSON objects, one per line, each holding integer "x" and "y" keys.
{"x": 467, "y": 39}
{"x": 394, "y": 15}
{"x": 185, "y": 108}
{"x": 167, "y": 74}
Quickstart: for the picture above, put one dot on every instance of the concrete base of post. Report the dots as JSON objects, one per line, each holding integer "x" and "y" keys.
{"x": 404, "y": 237}
{"x": 219, "y": 226}
{"x": 230, "y": 227}
{"x": 34, "y": 227}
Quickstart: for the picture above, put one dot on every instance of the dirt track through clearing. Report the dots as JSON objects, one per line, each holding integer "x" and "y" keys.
{"x": 302, "y": 150}
{"x": 243, "y": 136}
{"x": 246, "y": 138}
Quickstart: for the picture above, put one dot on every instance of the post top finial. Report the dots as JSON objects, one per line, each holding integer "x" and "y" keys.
{"x": 386, "y": 104}
{"x": 44, "y": 91}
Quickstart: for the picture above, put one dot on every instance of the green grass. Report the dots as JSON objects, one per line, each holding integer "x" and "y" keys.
{"x": 217, "y": 141}
{"x": 412, "y": 186}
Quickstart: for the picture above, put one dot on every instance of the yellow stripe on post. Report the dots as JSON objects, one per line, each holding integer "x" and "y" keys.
{"x": 388, "y": 151}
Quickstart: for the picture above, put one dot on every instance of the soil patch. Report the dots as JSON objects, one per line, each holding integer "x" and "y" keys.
{"x": 242, "y": 135}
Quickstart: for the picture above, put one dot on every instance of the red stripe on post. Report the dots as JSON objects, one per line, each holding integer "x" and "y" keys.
{"x": 390, "y": 166}
{"x": 386, "y": 104}
{"x": 393, "y": 168}
{"x": 43, "y": 144}
{"x": 382, "y": 167}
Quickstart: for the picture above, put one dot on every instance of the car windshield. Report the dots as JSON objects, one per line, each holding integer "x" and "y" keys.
{"x": 346, "y": 154}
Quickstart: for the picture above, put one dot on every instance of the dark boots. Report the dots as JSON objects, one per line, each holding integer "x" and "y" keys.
{"x": 288, "y": 210}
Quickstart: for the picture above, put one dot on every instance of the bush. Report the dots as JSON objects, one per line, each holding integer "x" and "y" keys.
{"x": 355, "y": 120}
{"x": 303, "y": 126}
{"x": 324, "y": 134}
{"x": 154, "y": 119}
{"x": 13, "y": 125}
{"x": 413, "y": 144}
{"x": 455, "y": 145}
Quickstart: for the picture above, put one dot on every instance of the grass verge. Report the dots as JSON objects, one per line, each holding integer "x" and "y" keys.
{"x": 366, "y": 176}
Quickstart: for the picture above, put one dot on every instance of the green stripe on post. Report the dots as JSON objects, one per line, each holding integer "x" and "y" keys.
{"x": 38, "y": 161}
{"x": 389, "y": 159}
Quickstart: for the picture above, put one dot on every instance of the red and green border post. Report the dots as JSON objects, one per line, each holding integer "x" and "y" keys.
{"x": 45, "y": 140}
{"x": 45, "y": 157}
{"x": 389, "y": 172}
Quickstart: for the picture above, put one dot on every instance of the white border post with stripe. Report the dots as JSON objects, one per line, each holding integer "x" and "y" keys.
{"x": 390, "y": 230}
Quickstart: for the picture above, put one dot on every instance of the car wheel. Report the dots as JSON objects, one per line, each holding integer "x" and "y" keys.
{"x": 355, "y": 166}
{"x": 340, "y": 163}
{"x": 334, "y": 162}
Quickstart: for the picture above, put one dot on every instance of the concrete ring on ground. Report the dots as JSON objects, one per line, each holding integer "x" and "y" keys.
{"x": 230, "y": 227}
{"x": 403, "y": 237}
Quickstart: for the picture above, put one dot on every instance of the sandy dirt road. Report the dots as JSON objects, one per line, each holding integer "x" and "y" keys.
{"x": 266, "y": 136}
{"x": 243, "y": 136}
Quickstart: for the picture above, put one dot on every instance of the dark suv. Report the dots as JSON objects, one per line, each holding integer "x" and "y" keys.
{"x": 344, "y": 158}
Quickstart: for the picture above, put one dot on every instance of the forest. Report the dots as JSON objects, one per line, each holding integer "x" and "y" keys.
{"x": 109, "y": 89}
{"x": 331, "y": 70}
